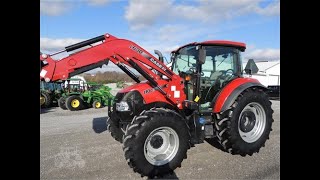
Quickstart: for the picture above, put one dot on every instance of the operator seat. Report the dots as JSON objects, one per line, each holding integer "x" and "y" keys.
{"x": 214, "y": 77}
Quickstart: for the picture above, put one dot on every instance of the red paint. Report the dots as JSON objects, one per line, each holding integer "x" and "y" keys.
{"x": 118, "y": 51}
{"x": 226, "y": 91}
{"x": 216, "y": 42}
{"x": 72, "y": 62}
{"x": 156, "y": 96}
{"x": 115, "y": 49}
{"x": 223, "y": 42}
{"x": 48, "y": 68}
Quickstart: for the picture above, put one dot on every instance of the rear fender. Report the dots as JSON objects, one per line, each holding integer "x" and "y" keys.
{"x": 231, "y": 91}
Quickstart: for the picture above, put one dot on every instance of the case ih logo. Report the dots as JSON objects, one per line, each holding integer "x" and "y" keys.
{"x": 136, "y": 49}
{"x": 147, "y": 56}
{"x": 157, "y": 64}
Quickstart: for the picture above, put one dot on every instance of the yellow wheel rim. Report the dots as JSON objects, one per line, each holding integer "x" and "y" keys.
{"x": 98, "y": 104}
{"x": 75, "y": 103}
{"x": 42, "y": 100}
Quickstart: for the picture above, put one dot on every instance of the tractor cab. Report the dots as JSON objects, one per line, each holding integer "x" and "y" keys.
{"x": 206, "y": 68}
{"x": 75, "y": 85}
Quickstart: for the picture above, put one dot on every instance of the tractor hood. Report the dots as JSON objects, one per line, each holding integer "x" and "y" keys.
{"x": 145, "y": 89}
{"x": 137, "y": 86}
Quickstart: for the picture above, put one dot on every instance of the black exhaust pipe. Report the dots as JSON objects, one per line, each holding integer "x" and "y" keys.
{"x": 84, "y": 43}
{"x": 157, "y": 52}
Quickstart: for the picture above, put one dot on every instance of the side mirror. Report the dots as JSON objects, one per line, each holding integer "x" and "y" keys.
{"x": 251, "y": 67}
{"x": 202, "y": 55}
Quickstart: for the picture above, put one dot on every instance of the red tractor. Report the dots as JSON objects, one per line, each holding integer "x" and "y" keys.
{"x": 202, "y": 96}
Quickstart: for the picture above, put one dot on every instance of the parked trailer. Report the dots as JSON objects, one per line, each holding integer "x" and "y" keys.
{"x": 269, "y": 76}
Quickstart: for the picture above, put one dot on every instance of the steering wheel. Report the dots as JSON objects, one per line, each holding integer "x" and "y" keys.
{"x": 226, "y": 74}
{"x": 226, "y": 71}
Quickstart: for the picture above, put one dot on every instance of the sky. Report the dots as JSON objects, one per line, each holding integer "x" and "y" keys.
{"x": 163, "y": 24}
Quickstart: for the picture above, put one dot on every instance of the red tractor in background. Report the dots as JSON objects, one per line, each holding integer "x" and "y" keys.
{"x": 202, "y": 96}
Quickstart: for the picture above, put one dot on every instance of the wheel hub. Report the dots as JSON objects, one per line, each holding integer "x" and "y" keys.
{"x": 156, "y": 141}
{"x": 252, "y": 122}
{"x": 75, "y": 103}
{"x": 247, "y": 121}
{"x": 161, "y": 146}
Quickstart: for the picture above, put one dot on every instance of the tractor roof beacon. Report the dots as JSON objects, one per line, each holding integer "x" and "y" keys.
{"x": 202, "y": 96}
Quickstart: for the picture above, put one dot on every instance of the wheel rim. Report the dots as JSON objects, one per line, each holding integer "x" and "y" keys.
{"x": 252, "y": 122}
{"x": 42, "y": 100}
{"x": 161, "y": 146}
{"x": 98, "y": 105}
{"x": 75, "y": 103}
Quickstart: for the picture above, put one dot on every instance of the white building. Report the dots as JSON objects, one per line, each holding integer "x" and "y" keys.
{"x": 76, "y": 80}
{"x": 268, "y": 74}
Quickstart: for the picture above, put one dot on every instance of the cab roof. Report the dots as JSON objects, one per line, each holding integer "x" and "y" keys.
{"x": 240, "y": 45}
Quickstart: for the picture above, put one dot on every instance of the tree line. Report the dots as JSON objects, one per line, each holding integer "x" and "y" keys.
{"x": 108, "y": 77}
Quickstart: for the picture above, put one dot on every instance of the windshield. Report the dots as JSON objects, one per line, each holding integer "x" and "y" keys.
{"x": 218, "y": 59}
{"x": 50, "y": 86}
{"x": 185, "y": 59}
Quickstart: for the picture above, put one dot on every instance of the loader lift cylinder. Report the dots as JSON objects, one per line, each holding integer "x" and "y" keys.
{"x": 128, "y": 72}
{"x": 149, "y": 78}
{"x": 145, "y": 75}
{"x": 84, "y": 43}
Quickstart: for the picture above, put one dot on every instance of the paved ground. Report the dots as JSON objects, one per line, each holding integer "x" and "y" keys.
{"x": 76, "y": 145}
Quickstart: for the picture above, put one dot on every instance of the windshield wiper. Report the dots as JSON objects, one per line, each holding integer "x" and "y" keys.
{"x": 222, "y": 62}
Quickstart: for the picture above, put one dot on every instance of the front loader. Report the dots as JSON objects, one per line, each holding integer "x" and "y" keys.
{"x": 202, "y": 96}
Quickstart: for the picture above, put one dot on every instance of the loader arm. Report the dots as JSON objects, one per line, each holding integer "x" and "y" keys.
{"x": 121, "y": 52}
{"x": 118, "y": 51}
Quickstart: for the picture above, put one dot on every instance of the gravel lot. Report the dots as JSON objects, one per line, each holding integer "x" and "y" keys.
{"x": 76, "y": 145}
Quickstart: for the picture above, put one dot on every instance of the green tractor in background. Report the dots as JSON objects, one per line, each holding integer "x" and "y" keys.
{"x": 87, "y": 95}
{"x": 50, "y": 93}
{"x": 72, "y": 86}
{"x": 97, "y": 95}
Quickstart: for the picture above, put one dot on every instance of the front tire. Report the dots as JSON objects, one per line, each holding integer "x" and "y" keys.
{"x": 97, "y": 104}
{"x": 245, "y": 127}
{"x": 156, "y": 142}
{"x": 115, "y": 129}
{"x": 74, "y": 103}
{"x": 62, "y": 103}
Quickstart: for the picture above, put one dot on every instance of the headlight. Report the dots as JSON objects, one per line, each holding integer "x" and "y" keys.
{"x": 122, "y": 106}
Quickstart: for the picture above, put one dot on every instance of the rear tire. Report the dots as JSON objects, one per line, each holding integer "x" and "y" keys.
{"x": 74, "y": 103}
{"x": 156, "y": 142}
{"x": 47, "y": 99}
{"x": 62, "y": 103}
{"x": 245, "y": 127}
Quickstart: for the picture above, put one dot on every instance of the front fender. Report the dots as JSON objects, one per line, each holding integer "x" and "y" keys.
{"x": 231, "y": 91}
